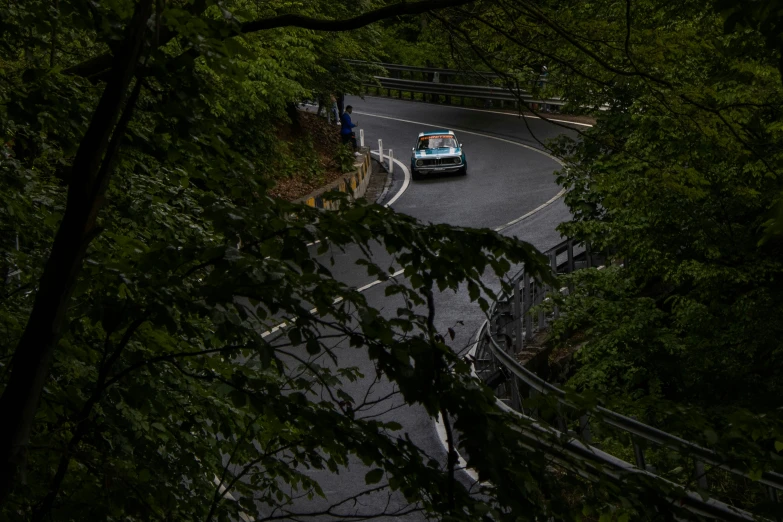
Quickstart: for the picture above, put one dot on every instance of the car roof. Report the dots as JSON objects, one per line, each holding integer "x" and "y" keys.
{"x": 436, "y": 133}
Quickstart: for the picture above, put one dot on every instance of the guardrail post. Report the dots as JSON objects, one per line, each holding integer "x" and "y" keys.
{"x": 638, "y": 454}
{"x": 526, "y": 304}
{"x": 391, "y": 161}
{"x": 584, "y": 429}
{"x": 499, "y": 326}
{"x": 540, "y": 290}
{"x": 532, "y": 394}
{"x": 570, "y": 256}
{"x": 699, "y": 474}
{"x": 380, "y": 151}
{"x": 516, "y": 399}
{"x": 361, "y": 137}
{"x": 553, "y": 264}
{"x": 773, "y": 497}
{"x": 518, "y": 344}
{"x": 560, "y": 423}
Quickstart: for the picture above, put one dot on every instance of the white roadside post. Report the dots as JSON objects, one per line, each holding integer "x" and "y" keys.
{"x": 391, "y": 161}
{"x": 380, "y": 151}
{"x": 361, "y": 137}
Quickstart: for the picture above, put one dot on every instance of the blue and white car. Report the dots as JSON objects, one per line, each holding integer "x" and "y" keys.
{"x": 438, "y": 152}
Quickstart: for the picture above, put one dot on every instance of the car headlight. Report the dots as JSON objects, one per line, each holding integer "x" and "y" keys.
{"x": 419, "y": 163}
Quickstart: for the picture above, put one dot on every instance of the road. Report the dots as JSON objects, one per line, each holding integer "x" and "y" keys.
{"x": 509, "y": 176}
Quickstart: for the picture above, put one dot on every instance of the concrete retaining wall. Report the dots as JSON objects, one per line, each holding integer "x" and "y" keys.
{"x": 354, "y": 184}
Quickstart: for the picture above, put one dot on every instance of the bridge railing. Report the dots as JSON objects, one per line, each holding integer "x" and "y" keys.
{"x": 508, "y": 333}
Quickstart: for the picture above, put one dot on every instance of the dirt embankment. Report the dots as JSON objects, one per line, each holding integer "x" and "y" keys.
{"x": 310, "y": 131}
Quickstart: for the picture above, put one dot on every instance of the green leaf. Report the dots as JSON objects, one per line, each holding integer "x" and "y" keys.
{"x": 313, "y": 346}
{"x": 374, "y": 476}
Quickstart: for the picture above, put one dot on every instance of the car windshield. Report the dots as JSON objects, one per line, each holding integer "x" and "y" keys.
{"x": 437, "y": 142}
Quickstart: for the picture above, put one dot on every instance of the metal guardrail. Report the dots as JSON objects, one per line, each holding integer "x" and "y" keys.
{"x": 597, "y": 464}
{"x": 460, "y": 90}
{"x": 426, "y": 70}
{"x": 495, "y": 363}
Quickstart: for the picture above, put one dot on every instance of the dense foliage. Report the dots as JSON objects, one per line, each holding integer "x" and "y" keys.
{"x": 145, "y": 298}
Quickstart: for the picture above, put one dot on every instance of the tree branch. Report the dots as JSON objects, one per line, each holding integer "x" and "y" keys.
{"x": 83, "y": 423}
{"x": 349, "y": 24}
{"x": 100, "y": 64}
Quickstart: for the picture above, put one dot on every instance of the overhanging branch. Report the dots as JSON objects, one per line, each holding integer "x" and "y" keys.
{"x": 349, "y": 24}
{"x": 97, "y": 65}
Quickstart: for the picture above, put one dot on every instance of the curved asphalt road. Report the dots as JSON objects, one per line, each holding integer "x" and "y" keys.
{"x": 505, "y": 178}
{"x": 504, "y": 182}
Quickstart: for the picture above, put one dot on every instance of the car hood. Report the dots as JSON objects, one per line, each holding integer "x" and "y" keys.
{"x": 437, "y": 153}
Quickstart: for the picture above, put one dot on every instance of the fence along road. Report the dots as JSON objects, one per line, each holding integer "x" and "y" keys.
{"x": 505, "y": 334}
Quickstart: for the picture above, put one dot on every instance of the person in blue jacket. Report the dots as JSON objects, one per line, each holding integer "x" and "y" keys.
{"x": 346, "y": 129}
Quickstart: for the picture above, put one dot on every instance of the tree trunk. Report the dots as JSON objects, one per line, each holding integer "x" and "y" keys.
{"x": 341, "y": 104}
{"x": 91, "y": 173}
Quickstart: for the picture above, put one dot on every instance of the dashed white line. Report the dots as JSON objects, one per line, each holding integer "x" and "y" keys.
{"x": 537, "y": 209}
{"x": 379, "y": 281}
{"x": 284, "y": 324}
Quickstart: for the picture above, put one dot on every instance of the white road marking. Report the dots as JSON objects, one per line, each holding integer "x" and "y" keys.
{"x": 405, "y": 183}
{"x": 440, "y": 428}
{"x": 284, "y": 324}
{"x": 227, "y": 494}
{"x": 399, "y": 193}
{"x": 516, "y": 115}
{"x": 537, "y": 209}
{"x": 378, "y": 281}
